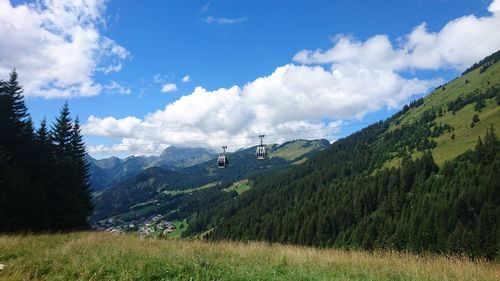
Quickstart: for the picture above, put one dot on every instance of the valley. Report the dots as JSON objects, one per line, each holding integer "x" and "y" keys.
{"x": 179, "y": 194}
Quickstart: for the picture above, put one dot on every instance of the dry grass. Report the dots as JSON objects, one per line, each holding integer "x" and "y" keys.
{"x": 103, "y": 256}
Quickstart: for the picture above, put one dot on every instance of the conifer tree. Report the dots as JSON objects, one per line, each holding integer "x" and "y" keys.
{"x": 15, "y": 124}
{"x": 81, "y": 175}
{"x": 16, "y": 143}
{"x": 60, "y": 134}
{"x": 64, "y": 200}
{"x": 43, "y": 135}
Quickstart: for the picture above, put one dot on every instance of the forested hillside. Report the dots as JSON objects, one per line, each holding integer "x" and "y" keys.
{"x": 184, "y": 192}
{"x": 43, "y": 172}
{"x": 426, "y": 179}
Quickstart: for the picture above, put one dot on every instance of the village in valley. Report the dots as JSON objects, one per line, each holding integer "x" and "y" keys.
{"x": 155, "y": 226}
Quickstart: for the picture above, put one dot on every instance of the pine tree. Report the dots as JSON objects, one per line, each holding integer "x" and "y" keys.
{"x": 19, "y": 186}
{"x": 63, "y": 195}
{"x": 43, "y": 136}
{"x": 60, "y": 134}
{"x": 487, "y": 220}
{"x": 15, "y": 124}
{"x": 81, "y": 175}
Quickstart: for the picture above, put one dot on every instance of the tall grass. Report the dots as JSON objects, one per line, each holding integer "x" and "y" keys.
{"x": 103, "y": 256}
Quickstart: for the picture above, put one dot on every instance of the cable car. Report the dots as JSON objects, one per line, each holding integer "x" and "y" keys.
{"x": 223, "y": 160}
{"x": 261, "y": 152}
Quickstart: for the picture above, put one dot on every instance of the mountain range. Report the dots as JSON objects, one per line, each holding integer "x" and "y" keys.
{"x": 109, "y": 171}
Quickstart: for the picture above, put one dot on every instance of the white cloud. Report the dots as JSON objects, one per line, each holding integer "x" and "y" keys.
{"x": 223, "y": 21}
{"x": 344, "y": 83}
{"x": 494, "y": 6}
{"x": 292, "y": 102}
{"x": 460, "y": 43}
{"x": 186, "y": 79}
{"x": 169, "y": 87}
{"x": 115, "y": 88}
{"x": 205, "y": 7}
{"x": 56, "y": 46}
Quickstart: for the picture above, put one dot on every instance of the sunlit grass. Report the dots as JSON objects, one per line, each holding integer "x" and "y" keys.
{"x": 103, "y": 256}
{"x": 239, "y": 186}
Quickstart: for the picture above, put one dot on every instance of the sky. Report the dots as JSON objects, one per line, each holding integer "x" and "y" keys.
{"x": 144, "y": 75}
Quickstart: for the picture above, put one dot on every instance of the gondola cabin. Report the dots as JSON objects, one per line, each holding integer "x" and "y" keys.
{"x": 223, "y": 160}
{"x": 261, "y": 152}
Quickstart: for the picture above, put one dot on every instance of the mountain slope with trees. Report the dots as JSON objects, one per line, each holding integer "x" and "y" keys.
{"x": 43, "y": 173}
{"x": 382, "y": 188}
{"x": 150, "y": 191}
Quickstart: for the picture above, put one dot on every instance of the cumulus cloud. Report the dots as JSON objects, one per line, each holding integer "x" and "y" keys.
{"x": 293, "y": 102}
{"x": 460, "y": 43}
{"x": 224, "y": 21}
{"x": 57, "y": 47}
{"x": 116, "y": 88}
{"x": 186, "y": 79}
{"x": 169, "y": 87}
{"x": 311, "y": 100}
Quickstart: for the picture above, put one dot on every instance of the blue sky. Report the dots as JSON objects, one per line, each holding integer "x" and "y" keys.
{"x": 133, "y": 49}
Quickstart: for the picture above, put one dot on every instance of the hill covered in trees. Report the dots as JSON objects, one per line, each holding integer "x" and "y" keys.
{"x": 184, "y": 193}
{"x": 426, "y": 179}
{"x": 43, "y": 172}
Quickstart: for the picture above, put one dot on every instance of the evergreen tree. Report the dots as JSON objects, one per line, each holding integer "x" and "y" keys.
{"x": 60, "y": 134}
{"x": 71, "y": 201}
{"x": 480, "y": 104}
{"x": 81, "y": 175}
{"x": 43, "y": 136}
{"x": 15, "y": 124}
{"x": 20, "y": 187}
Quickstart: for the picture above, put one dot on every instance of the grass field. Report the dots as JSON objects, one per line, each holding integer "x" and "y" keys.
{"x": 294, "y": 149}
{"x": 180, "y": 227}
{"x": 103, "y": 256}
{"x": 190, "y": 190}
{"x": 465, "y": 137}
{"x": 239, "y": 186}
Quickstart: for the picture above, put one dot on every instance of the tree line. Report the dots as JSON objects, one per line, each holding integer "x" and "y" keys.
{"x": 43, "y": 171}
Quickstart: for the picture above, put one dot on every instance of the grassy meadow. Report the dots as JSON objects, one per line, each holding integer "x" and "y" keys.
{"x": 104, "y": 256}
{"x": 239, "y": 186}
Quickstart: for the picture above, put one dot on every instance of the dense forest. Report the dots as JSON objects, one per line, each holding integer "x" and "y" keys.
{"x": 43, "y": 173}
{"x": 415, "y": 207}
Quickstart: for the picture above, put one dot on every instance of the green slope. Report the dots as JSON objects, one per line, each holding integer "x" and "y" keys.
{"x": 104, "y": 256}
{"x": 294, "y": 150}
{"x": 465, "y": 136}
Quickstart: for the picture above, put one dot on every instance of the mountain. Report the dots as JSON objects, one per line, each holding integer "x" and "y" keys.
{"x": 155, "y": 189}
{"x": 110, "y": 171}
{"x": 181, "y": 157}
{"x": 426, "y": 179}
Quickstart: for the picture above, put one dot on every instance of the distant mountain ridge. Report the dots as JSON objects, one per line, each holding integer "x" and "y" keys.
{"x": 182, "y": 157}
{"x": 109, "y": 171}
